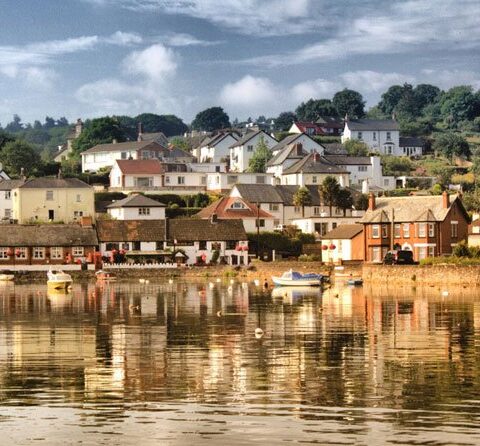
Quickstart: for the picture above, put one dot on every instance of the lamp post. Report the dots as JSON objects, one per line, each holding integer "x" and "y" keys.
{"x": 258, "y": 228}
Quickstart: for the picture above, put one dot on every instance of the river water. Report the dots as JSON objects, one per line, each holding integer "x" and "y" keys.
{"x": 184, "y": 363}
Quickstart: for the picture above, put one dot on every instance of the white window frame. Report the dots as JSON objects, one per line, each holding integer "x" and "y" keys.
{"x": 143, "y": 211}
{"x": 49, "y": 195}
{"x": 250, "y": 148}
{"x": 78, "y": 251}
{"x": 406, "y": 230}
{"x": 454, "y": 229}
{"x": 422, "y": 230}
{"x": 362, "y": 168}
{"x": 273, "y": 207}
{"x": 56, "y": 252}
{"x": 397, "y": 230}
{"x": 38, "y": 252}
{"x": 23, "y": 253}
{"x": 4, "y": 253}
{"x": 375, "y": 231}
{"x": 181, "y": 180}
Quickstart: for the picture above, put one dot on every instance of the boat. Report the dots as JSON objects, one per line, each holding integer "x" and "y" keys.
{"x": 105, "y": 276}
{"x": 294, "y": 278}
{"x": 6, "y": 276}
{"x": 355, "y": 281}
{"x": 291, "y": 293}
{"x": 58, "y": 279}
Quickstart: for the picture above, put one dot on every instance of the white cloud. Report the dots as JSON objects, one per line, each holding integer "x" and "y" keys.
{"x": 318, "y": 89}
{"x": 373, "y": 81}
{"x": 123, "y": 38}
{"x": 248, "y": 92}
{"x": 449, "y": 78}
{"x": 155, "y": 63}
{"x": 182, "y": 39}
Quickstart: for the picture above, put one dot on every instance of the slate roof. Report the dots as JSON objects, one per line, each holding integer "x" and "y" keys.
{"x": 289, "y": 152}
{"x": 158, "y": 137}
{"x": 343, "y": 232}
{"x": 131, "y": 230}
{"x": 10, "y": 184}
{"x": 121, "y": 146}
{"x": 373, "y": 124}
{"x": 135, "y": 201}
{"x": 345, "y": 160}
{"x": 267, "y": 193}
{"x": 411, "y": 141}
{"x": 215, "y": 139}
{"x": 290, "y": 139}
{"x": 335, "y": 148}
{"x": 187, "y": 229}
{"x": 247, "y": 137}
{"x": 132, "y": 167}
{"x": 222, "y": 208}
{"x": 409, "y": 209}
{"x": 176, "y": 152}
{"x": 54, "y": 183}
{"x": 47, "y": 235}
{"x": 314, "y": 163}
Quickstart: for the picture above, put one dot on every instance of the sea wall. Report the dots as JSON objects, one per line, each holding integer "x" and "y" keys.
{"x": 422, "y": 275}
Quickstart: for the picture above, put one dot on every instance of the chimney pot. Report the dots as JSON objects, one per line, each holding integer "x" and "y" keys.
{"x": 214, "y": 218}
{"x": 445, "y": 200}
{"x": 371, "y": 202}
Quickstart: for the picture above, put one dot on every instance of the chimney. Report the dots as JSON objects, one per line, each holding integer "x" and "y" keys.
{"x": 316, "y": 157}
{"x": 299, "y": 149}
{"x": 140, "y": 131}
{"x": 445, "y": 200}
{"x": 214, "y": 218}
{"x": 371, "y": 202}
{"x": 86, "y": 221}
{"x": 78, "y": 127}
{"x": 114, "y": 141}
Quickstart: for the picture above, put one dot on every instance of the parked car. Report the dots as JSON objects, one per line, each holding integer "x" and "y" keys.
{"x": 399, "y": 257}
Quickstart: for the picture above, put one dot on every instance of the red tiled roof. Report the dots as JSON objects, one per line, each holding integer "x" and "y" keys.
{"x": 303, "y": 126}
{"x": 223, "y": 209}
{"x": 140, "y": 166}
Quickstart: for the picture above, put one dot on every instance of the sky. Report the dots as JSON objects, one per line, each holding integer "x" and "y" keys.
{"x": 90, "y": 58}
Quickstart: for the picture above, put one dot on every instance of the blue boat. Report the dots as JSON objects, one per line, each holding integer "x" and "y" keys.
{"x": 294, "y": 278}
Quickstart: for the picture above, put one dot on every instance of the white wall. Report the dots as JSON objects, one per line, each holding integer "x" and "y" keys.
{"x": 307, "y": 179}
{"x": 224, "y": 181}
{"x": 6, "y": 205}
{"x": 307, "y": 225}
{"x": 192, "y": 179}
{"x": 156, "y": 213}
{"x": 94, "y": 161}
{"x": 342, "y": 251}
{"x": 240, "y": 155}
{"x": 375, "y": 139}
{"x": 217, "y": 152}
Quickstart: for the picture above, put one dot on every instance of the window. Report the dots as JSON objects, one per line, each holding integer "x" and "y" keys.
{"x": 8, "y": 213}
{"x": 260, "y": 223}
{"x": 159, "y": 246}
{"x": 56, "y": 252}
{"x": 376, "y": 254}
{"x": 8, "y": 194}
{"x": 79, "y": 198}
{"x": 388, "y": 150}
{"x": 217, "y": 168}
{"x": 202, "y": 244}
{"x": 314, "y": 179}
{"x": 273, "y": 207}
{"x": 77, "y": 214}
{"x": 136, "y": 246}
{"x": 431, "y": 229}
{"x": 375, "y": 231}
{"x": 431, "y": 251}
{"x": 231, "y": 244}
{"x": 249, "y": 148}
{"x": 360, "y": 136}
{"x": 4, "y": 253}
{"x": 145, "y": 154}
{"x": 384, "y": 231}
{"x": 231, "y": 179}
{"x": 374, "y": 136}
{"x": 21, "y": 253}
{"x": 144, "y": 181}
{"x": 406, "y": 230}
{"x": 111, "y": 246}
{"x": 397, "y": 231}
{"x": 260, "y": 179}
{"x": 276, "y": 222}
{"x": 123, "y": 155}
{"x": 323, "y": 228}
{"x": 386, "y": 182}
{"x": 422, "y": 252}
{"x": 167, "y": 180}
{"x": 203, "y": 180}
{"x": 422, "y": 230}
{"x": 180, "y": 180}
{"x": 143, "y": 211}
{"x": 126, "y": 246}
{"x": 49, "y": 195}
{"x": 77, "y": 251}
{"x": 237, "y": 205}
{"x": 389, "y": 136}
{"x": 38, "y": 252}
{"x": 454, "y": 227}
{"x": 297, "y": 209}
{"x": 362, "y": 168}
{"x": 316, "y": 210}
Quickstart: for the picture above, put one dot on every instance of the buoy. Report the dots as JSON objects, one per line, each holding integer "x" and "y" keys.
{"x": 170, "y": 281}
{"x": 141, "y": 280}
{"x": 218, "y": 280}
{"x": 258, "y": 333}
{"x": 445, "y": 293}
{"x": 256, "y": 282}
{"x": 219, "y": 313}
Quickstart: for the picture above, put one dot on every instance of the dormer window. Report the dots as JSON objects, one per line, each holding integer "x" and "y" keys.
{"x": 237, "y": 205}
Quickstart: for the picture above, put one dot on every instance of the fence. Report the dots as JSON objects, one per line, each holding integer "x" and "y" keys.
{"x": 139, "y": 265}
{"x": 67, "y": 267}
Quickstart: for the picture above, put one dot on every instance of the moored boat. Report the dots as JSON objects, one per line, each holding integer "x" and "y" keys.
{"x": 105, "y": 276}
{"x": 294, "y": 278}
{"x": 58, "y": 279}
{"x": 6, "y": 276}
{"x": 355, "y": 281}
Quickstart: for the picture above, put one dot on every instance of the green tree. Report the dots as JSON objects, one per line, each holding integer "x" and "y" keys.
{"x": 459, "y": 104}
{"x": 408, "y": 106}
{"x": 311, "y": 110}
{"x": 390, "y": 99}
{"x": 360, "y": 202}
{"x": 354, "y": 147}
{"x": 329, "y": 190}
{"x": 284, "y": 121}
{"x": 16, "y": 155}
{"x": 396, "y": 165}
{"x": 15, "y": 125}
{"x": 349, "y": 102}
{"x": 170, "y": 125}
{"x": 344, "y": 200}
{"x": 302, "y": 197}
{"x": 211, "y": 119}
{"x": 451, "y": 145}
{"x": 426, "y": 94}
{"x": 4, "y": 138}
{"x": 259, "y": 159}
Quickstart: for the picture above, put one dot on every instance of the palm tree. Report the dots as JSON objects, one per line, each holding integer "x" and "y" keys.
{"x": 302, "y": 197}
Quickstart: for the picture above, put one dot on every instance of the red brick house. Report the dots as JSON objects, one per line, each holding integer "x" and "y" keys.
{"x": 427, "y": 225}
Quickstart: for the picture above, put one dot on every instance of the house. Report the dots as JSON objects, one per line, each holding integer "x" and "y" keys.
{"x": 158, "y": 137}
{"x": 411, "y": 146}
{"x": 223, "y": 182}
{"x": 344, "y": 243}
{"x": 284, "y": 159}
{"x": 381, "y": 136}
{"x": 363, "y": 168}
{"x": 136, "y": 207}
{"x": 6, "y": 202}
{"x": 178, "y": 155}
{"x": 52, "y": 200}
{"x": 47, "y": 244}
{"x": 237, "y": 208}
{"x": 308, "y": 144}
{"x": 309, "y": 128}
{"x": 313, "y": 169}
{"x": 474, "y": 233}
{"x": 105, "y": 155}
{"x": 128, "y": 174}
{"x": 242, "y": 150}
{"x": 330, "y": 125}
{"x": 65, "y": 149}
{"x": 429, "y": 226}
{"x": 217, "y": 148}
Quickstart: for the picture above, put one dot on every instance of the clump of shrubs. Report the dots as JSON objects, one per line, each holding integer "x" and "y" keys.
{"x": 310, "y": 258}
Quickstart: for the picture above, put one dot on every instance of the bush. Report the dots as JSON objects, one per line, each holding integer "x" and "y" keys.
{"x": 177, "y": 212}
{"x": 310, "y": 258}
{"x": 109, "y": 196}
{"x": 461, "y": 250}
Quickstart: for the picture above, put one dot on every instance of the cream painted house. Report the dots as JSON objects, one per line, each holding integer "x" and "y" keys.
{"x": 136, "y": 207}
{"x": 52, "y": 199}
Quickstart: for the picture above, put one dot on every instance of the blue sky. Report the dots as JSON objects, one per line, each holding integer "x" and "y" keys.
{"x": 87, "y": 58}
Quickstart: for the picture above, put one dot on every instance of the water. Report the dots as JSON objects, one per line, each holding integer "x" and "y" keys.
{"x": 181, "y": 364}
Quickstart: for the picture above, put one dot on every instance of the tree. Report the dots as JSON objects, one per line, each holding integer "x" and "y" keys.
{"x": 390, "y": 99}
{"x": 408, "y": 106}
{"x": 451, "y": 145}
{"x": 426, "y": 94}
{"x": 396, "y": 165}
{"x": 360, "y": 202}
{"x": 211, "y": 119}
{"x": 170, "y": 125}
{"x": 17, "y": 155}
{"x": 259, "y": 159}
{"x": 98, "y": 131}
{"x": 284, "y": 121}
{"x": 311, "y": 110}
{"x": 349, "y": 102}
{"x": 354, "y": 147}
{"x": 344, "y": 200}
{"x": 4, "y": 138}
{"x": 302, "y": 197}
{"x": 49, "y": 123}
{"x": 329, "y": 190}
{"x": 15, "y": 125}
{"x": 459, "y": 104}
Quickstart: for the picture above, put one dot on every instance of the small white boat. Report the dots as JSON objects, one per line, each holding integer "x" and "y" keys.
{"x": 6, "y": 276}
{"x": 58, "y": 279}
{"x": 294, "y": 278}
{"x": 291, "y": 293}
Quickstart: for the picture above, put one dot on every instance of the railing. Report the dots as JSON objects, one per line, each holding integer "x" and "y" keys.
{"x": 43, "y": 267}
{"x": 139, "y": 265}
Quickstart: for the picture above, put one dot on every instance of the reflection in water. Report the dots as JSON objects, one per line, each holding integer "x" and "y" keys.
{"x": 180, "y": 364}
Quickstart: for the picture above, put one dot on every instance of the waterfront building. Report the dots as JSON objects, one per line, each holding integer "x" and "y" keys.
{"x": 136, "y": 207}
{"x": 344, "y": 243}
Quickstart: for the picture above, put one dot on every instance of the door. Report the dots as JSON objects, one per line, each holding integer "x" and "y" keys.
{"x": 51, "y": 214}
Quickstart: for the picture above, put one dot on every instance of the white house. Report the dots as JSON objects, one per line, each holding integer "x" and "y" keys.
{"x": 381, "y": 136}
{"x": 411, "y": 146}
{"x": 343, "y": 243}
{"x": 221, "y": 182}
{"x": 6, "y": 202}
{"x": 308, "y": 144}
{"x": 217, "y": 148}
{"x": 242, "y": 150}
{"x": 319, "y": 226}
{"x": 136, "y": 207}
{"x": 130, "y": 174}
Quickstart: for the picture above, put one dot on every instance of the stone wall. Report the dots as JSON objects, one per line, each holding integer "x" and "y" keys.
{"x": 422, "y": 275}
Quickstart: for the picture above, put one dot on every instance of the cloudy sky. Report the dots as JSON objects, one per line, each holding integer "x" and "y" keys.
{"x": 87, "y": 58}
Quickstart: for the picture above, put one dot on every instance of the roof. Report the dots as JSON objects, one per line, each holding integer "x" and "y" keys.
{"x": 135, "y": 201}
{"x": 158, "y": 137}
{"x": 223, "y": 209}
{"x": 411, "y": 141}
{"x": 121, "y": 146}
{"x": 131, "y": 167}
{"x": 372, "y": 124}
{"x": 335, "y": 148}
{"x": 177, "y": 152}
{"x": 187, "y": 229}
{"x": 267, "y": 193}
{"x": 48, "y": 235}
{"x": 409, "y": 209}
{"x": 54, "y": 183}
{"x": 345, "y": 160}
{"x": 302, "y": 125}
{"x": 343, "y": 232}
{"x": 314, "y": 163}
{"x": 289, "y": 152}
{"x": 290, "y": 139}
{"x": 247, "y": 137}
{"x": 131, "y": 230}
{"x": 10, "y": 184}
{"x": 215, "y": 139}
{"x": 330, "y": 122}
